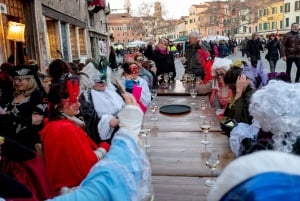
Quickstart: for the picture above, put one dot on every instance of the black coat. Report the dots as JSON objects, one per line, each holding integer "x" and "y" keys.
{"x": 273, "y": 47}
{"x": 253, "y": 49}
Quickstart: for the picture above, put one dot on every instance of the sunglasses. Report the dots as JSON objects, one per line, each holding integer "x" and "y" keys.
{"x": 99, "y": 82}
{"x": 220, "y": 74}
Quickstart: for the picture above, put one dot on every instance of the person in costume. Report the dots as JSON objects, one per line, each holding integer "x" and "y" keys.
{"x": 136, "y": 85}
{"x": 264, "y": 175}
{"x": 23, "y": 116}
{"x": 124, "y": 174}
{"x": 220, "y": 94}
{"x": 237, "y": 108}
{"x": 68, "y": 151}
{"x": 275, "y": 111}
{"x": 99, "y": 108}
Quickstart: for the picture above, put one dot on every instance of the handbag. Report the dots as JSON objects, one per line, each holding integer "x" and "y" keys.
{"x": 227, "y": 126}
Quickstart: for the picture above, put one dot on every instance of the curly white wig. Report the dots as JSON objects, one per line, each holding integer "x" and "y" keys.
{"x": 276, "y": 108}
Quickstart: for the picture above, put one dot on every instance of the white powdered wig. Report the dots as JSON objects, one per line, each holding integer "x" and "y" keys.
{"x": 220, "y": 63}
{"x": 276, "y": 108}
{"x": 250, "y": 165}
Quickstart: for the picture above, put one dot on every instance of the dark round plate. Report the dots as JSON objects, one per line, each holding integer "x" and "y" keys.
{"x": 175, "y": 109}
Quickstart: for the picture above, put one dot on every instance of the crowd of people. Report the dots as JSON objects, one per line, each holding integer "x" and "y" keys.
{"x": 77, "y": 127}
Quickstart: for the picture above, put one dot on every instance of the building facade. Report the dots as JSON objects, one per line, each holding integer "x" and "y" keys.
{"x": 71, "y": 30}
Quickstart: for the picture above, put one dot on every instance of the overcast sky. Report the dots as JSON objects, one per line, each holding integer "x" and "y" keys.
{"x": 175, "y": 8}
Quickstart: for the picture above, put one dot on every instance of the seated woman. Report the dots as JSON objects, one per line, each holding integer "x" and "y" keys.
{"x": 23, "y": 117}
{"x": 68, "y": 151}
{"x": 124, "y": 174}
{"x": 276, "y": 126}
{"x": 220, "y": 94}
{"x": 143, "y": 72}
{"x": 237, "y": 108}
{"x": 136, "y": 85}
{"x": 99, "y": 108}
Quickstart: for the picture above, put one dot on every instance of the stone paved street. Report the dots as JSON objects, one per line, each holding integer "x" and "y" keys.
{"x": 280, "y": 67}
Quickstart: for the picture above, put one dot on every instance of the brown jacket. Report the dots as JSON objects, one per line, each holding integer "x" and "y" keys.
{"x": 290, "y": 45}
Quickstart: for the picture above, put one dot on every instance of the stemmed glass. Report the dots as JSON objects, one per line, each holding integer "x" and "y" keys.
{"x": 205, "y": 126}
{"x": 145, "y": 132}
{"x": 166, "y": 79}
{"x": 153, "y": 108}
{"x": 202, "y": 104}
{"x": 211, "y": 162}
{"x": 171, "y": 74}
{"x": 193, "y": 94}
{"x": 153, "y": 93}
{"x": 192, "y": 77}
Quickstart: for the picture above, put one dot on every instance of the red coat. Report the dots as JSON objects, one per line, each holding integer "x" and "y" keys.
{"x": 68, "y": 151}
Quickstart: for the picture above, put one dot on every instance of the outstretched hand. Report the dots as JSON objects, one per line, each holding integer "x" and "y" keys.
{"x": 129, "y": 99}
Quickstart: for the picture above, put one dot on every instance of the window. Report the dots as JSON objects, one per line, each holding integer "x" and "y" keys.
{"x": 281, "y": 9}
{"x": 260, "y": 27}
{"x": 260, "y": 13}
{"x": 287, "y": 22}
{"x": 92, "y": 21}
{"x": 244, "y": 29}
{"x": 274, "y": 25}
{"x": 298, "y": 19}
{"x": 266, "y": 12}
{"x": 266, "y": 26}
{"x": 287, "y": 7}
{"x": 297, "y": 5}
{"x": 274, "y": 10}
{"x": 82, "y": 44}
{"x": 281, "y": 24}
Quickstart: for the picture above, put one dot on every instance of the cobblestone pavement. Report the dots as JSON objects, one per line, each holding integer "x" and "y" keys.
{"x": 280, "y": 66}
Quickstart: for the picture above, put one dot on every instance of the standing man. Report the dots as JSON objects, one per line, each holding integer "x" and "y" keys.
{"x": 253, "y": 48}
{"x": 290, "y": 49}
{"x": 191, "y": 59}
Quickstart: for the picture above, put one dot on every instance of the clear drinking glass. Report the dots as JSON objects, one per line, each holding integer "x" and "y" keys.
{"x": 171, "y": 74}
{"x": 202, "y": 104}
{"x": 193, "y": 94}
{"x": 212, "y": 162}
{"x": 153, "y": 108}
{"x": 166, "y": 79}
{"x": 192, "y": 77}
{"x": 153, "y": 93}
{"x": 145, "y": 133}
{"x": 205, "y": 126}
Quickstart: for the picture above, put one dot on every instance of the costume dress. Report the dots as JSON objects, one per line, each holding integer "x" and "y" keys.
{"x": 18, "y": 123}
{"x": 68, "y": 151}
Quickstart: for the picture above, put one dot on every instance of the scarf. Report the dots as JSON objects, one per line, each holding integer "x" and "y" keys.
{"x": 166, "y": 51}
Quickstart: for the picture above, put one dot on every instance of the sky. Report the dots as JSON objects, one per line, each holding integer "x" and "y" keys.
{"x": 175, "y": 8}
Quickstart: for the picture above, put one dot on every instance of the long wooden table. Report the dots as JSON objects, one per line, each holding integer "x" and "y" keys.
{"x": 175, "y": 88}
{"x": 177, "y": 156}
{"x": 182, "y": 122}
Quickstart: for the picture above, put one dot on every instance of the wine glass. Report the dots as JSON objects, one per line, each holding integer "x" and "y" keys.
{"x": 153, "y": 108}
{"x": 193, "y": 94}
{"x": 153, "y": 93}
{"x": 211, "y": 162}
{"x": 145, "y": 132}
{"x": 202, "y": 104}
{"x": 205, "y": 126}
{"x": 166, "y": 79}
{"x": 192, "y": 77}
{"x": 171, "y": 74}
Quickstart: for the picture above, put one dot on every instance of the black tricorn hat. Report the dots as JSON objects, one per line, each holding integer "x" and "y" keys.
{"x": 22, "y": 69}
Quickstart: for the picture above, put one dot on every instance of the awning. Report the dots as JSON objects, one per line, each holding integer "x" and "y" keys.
{"x": 181, "y": 38}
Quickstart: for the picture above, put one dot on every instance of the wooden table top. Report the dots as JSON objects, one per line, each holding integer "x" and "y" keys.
{"x": 182, "y": 122}
{"x": 175, "y": 88}
{"x": 176, "y": 154}
{"x": 177, "y": 188}
{"x": 182, "y": 154}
